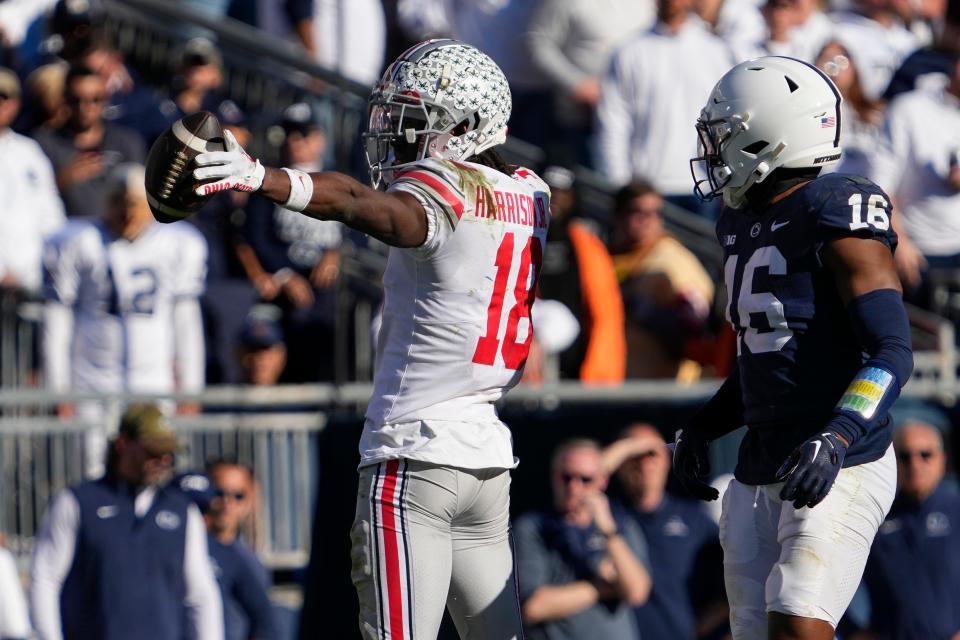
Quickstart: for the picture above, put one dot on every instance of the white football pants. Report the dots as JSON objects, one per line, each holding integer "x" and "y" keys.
{"x": 801, "y": 562}
{"x": 427, "y": 536}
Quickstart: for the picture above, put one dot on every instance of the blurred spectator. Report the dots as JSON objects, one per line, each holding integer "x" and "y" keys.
{"x": 243, "y": 579}
{"x": 577, "y": 271}
{"x": 778, "y": 37}
{"x": 570, "y": 43}
{"x": 196, "y": 82}
{"x": 935, "y": 59}
{"x": 422, "y": 20}
{"x": 654, "y": 89}
{"x": 581, "y": 566}
{"x": 46, "y": 105}
{"x": 913, "y": 573}
{"x": 348, "y": 37}
{"x": 862, "y": 118}
{"x": 62, "y": 35}
{"x": 14, "y": 618}
{"x": 812, "y": 29}
{"x": 86, "y": 148}
{"x": 122, "y": 311}
{"x": 229, "y": 294}
{"x": 125, "y": 556}
{"x": 16, "y": 16}
{"x": 683, "y": 543}
{"x": 128, "y": 103}
{"x": 31, "y": 209}
{"x": 667, "y": 294}
{"x": 875, "y": 33}
{"x": 260, "y": 348}
{"x": 739, "y": 23}
{"x": 919, "y": 167}
{"x": 294, "y": 260}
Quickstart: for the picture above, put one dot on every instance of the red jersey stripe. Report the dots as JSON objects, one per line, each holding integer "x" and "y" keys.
{"x": 441, "y": 189}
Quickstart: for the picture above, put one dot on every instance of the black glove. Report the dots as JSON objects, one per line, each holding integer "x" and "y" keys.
{"x": 691, "y": 463}
{"x": 811, "y": 470}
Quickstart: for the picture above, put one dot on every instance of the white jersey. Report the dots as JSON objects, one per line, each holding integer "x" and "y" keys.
{"x": 124, "y": 297}
{"x": 456, "y": 321}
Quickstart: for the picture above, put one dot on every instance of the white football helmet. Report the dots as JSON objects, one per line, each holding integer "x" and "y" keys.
{"x": 440, "y": 99}
{"x": 764, "y": 114}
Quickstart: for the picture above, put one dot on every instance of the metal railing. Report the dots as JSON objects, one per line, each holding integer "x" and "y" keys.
{"x": 40, "y": 454}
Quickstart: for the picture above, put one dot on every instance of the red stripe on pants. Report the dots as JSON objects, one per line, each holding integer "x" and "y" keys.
{"x": 391, "y": 551}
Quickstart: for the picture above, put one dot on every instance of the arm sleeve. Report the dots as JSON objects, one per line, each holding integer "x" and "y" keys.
{"x": 189, "y": 346}
{"x": 614, "y": 124}
{"x": 60, "y": 284}
{"x": 548, "y": 29}
{"x": 57, "y": 339}
{"x": 14, "y": 619}
{"x": 883, "y": 330}
{"x": 533, "y": 568}
{"x": 723, "y": 412}
{"x": 202, "y": 598}
{"x": 52, "y": 559}
{"x": 606, "y": 358}
{"x": 188, "y": 323}
{"x": 249, "y": 591}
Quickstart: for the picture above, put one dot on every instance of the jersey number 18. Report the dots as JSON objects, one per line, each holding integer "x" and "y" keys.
{"x": 524, "y": 290}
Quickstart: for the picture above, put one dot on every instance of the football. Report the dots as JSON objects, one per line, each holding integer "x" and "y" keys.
{"x": 169, "y": 177}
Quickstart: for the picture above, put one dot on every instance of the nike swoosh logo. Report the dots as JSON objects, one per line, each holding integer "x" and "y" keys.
{"x": 777, "y": 225}
{"x": 816, "y": 449}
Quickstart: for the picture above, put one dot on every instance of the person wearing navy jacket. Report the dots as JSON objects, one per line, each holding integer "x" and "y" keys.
{"x": 682, "y": 540}
{"x": 125, "y": 556}
{"x": 913, "y": 573}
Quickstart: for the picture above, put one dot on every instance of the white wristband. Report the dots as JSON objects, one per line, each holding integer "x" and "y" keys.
{"x": 301, "y": 190}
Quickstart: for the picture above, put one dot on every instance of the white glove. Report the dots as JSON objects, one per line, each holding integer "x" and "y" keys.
{"x": 231, "y": 169}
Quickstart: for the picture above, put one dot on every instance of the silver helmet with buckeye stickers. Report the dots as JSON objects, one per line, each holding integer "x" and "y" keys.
{"x": 439, "y": 99}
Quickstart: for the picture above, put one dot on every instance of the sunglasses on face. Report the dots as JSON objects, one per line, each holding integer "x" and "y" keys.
{"x": 239, "y": 496}
{"x": 906, "y": 456}
{"x": 85, "y": 99}
{"x": 570, "y": 477}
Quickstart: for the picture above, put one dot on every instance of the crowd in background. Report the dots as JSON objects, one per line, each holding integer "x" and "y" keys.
{"x": 247, "y": 292}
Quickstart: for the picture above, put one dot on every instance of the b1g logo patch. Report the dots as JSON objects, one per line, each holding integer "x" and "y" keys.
{"x": 167, "y": 520}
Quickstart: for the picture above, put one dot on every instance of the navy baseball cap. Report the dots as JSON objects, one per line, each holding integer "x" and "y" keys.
{"x": 261, "y": 330}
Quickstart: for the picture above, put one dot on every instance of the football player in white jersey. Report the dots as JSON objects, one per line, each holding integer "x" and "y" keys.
{"x": 467, "y": 234}
{"x": 122, "y": 311}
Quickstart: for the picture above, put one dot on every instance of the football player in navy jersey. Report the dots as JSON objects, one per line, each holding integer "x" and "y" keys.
{"x": 823, "y": 350}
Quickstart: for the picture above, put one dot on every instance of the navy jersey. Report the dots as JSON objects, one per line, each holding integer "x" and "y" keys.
{"x": 796, "y": 349}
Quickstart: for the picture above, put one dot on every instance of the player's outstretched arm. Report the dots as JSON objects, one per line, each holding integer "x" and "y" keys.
{"x": 397, "y": 219}
{"x": 867, "y": 280}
